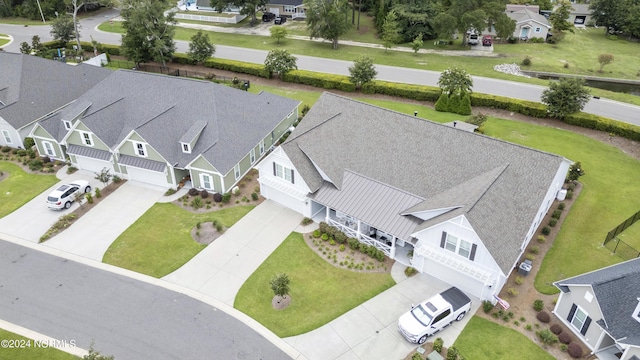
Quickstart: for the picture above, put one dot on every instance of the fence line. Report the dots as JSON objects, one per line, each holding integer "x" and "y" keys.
{"x": 177, "y": 72}
{"x": 622, "y": 249}
{"x": 622, "y": 227}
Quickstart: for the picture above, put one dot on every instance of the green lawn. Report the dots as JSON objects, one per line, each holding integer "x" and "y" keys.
{"x": 320, "y": 292}
{"x": 20, "y": 21}
{"x": 609, "y": 196}
{"x": 32, "y": 352}
{"x": 482, "y": 339}
{"x": 424, "y": 112}
{"x": 3, "y": 41}
{"x": 159, "y": 242}
{"x": 20, "y": 187}
{"x": 307, "y": 97}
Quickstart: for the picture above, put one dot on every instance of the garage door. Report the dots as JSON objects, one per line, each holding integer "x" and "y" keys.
{"x": 463, "y": 281}
{"x": 282, "y": 198}
{"x": 93, "y": 165}
{"x": 275, "y": 11}
{"x": 147, "y": 176}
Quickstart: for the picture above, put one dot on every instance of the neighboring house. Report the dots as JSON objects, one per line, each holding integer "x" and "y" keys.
{"x": 32, "y": 87}
{"x": 602, "y": 308}
{"x": 529, "y": 24}
{"x": 160, "y": 129}
{"x": 464, "y": 204}
{"x": 291, "y": 8}
{"x": 580, "y": 15}
{"x": 517, "y": 7}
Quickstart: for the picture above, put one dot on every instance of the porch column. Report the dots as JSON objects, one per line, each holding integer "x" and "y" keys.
{"x": 358, "y": 229}
{"x": 326, "y": 214}
{"x": 392, "y": 252}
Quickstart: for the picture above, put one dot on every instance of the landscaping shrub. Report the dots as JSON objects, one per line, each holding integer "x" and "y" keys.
{"x": 321, "y": 80}
{"x": 452, "y": 353}
{"x": 553, "y": 222}
{"x": 197, "y": 203}
{"x": 254, "y": 196}
{"x": 22, "y": 152}
{"x": 170, "y": 192}
{"x": 323, "y": 226}
{"x": 416, "y": 356}
{"x": 564, "y": 337}
{"x": 543, "y": 317}
{"x": 519, "y": 280}
{"x": 316, "y": 233}
{"x": 98, "y": 193}
{"x": 340, "y": 237}
{"x": 523, "y": 107}
{"x": 193, "y": 192}
{"x": 569, "y": 194}
{"x": 600, "y": 123}
{"x": 574, "y": 350}
{"x": 324, "y": 237}
{"x": 408, "y": 91}
{"x": 353, "y": 243}
{"x": 556, "y": 329}
{"x": 556, "y": 214}
{"x": 204, "y": 194}
{"x": 71, "y": 169}
{"x": 454, "y": 104}
{"x": 546, "y": 230}
{"x": 237, "y": 66}
{"x": 29, "y": 142}
{"x": 217, "y": 197}
{"x": 410, "y": 271}
{"x": 547, "y": 337}
{"x": 512, "y": 291}
{"x": 437, "y": 345}
{"x": 6, "y": 149}
{"x": 561, "y": 206}
{"x": 534, "y": 250}
{"x": 487, "y": 306}
{"x": 526, "y": 61}
{"x": 89, "y": 198}
{"x": 226, "y": 197}
{"x": 364, "y": 248}
{"x": 116, "y": 179}
{"x": 35, "y": 164}
{"x": 538, "y": 305}
{"x": 541, "y": 238}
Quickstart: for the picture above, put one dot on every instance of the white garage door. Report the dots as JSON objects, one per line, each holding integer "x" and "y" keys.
{"x": 282, "y": 198}
{"x": 93, "y": 165}
{"x": 147, "y": 176}
{"x": 464, "y": 282}
{"x": 275, "y": 11}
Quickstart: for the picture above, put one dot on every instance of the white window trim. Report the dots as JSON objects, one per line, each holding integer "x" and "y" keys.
{"x": 252, "y": 156}
{"x": 261, "y": 146}
{"x": 458, "y": 245}
{"x": 7, "y": 137}
{"x": 44, "y": 145}
{"x": 586, "y": 315}
{"x": 143, "y": 148}
{"x": 236, "y": 171}
{"x": 67, "y": 124}
{"x": 289, "y": 8}
{"x": 636, "y": 312}
{"x": 186, "y": 148}
{"x": 538, "y": 30}
{"x": 202, "y": 181}
{"x": 284, "y": 172}
{"x": 84, "y": 139}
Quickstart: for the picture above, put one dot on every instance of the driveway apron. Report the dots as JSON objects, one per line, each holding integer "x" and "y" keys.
{"x": 222, "y": 267}
{"x": 92, "y": 234}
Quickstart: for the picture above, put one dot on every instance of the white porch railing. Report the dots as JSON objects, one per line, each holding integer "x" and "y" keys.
{"x": 454, "y": 262}
{"x": 345, "y": 229}
{"x": 386, "y": 249}
{"x": 298, "y": 16}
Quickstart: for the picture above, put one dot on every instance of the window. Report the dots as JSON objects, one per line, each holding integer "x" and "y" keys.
{"x": 7, "y": 137}
{"x": 186, "y": 148}
{"x": 140, "y": 149}
{"x": 441, "y": 316}
{"x": 86, "y": 138}
{"x": 236, "y": 171}
{"x": 538, "y": 30}
{"x": 252, "y": 156}
{"x": 289, "y": 8}
{"x": 459, "y": 246}
{"x": 67, "y": 125}
{"x": 206, "y": 181}
{"x": 48, "y": 148}
{"x": 261, "y": 147}
{"x": 283, "y": 172}
{"x": 579, "y": 319}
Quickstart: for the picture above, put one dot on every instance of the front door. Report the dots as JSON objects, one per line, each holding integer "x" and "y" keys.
{"x": 524, "y": 32}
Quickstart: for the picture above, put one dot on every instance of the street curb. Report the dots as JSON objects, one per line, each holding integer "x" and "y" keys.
{"x": 44, "y": 339}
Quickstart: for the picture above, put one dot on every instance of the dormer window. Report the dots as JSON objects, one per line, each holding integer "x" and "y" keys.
{"x": 140, "y": 149}
{"x": 67, "y": 125}
{"x": 186, "y": 148}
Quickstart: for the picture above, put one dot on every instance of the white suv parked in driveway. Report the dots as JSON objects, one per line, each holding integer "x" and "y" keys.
{"x": 64, "y": 195}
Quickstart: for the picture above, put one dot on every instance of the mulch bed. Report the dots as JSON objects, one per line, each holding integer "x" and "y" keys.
{"x": 206, "y": 234}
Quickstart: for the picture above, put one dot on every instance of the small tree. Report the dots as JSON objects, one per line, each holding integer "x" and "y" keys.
{"x": 455, "y": 81}
{"x": 558, "y": 19}
{"x": 25, "y": 48}
{"x": 280, "y": 61}
{"x": 95, "y": 355}
{"x": 362, "y": 71}
{"x": 278, "y": 32}
{"x": 36, "y": 44}
{"x": 391, "y": 30}
{"x": 103, "y": 176}
{"x": 200, "y": 48}
{"x": 417, "y": 43}
{"x": 280, "y": 284}
{"x": 62, "y": 29}
{"x": 604, "y": 59}
{"x": 565, "y": 97}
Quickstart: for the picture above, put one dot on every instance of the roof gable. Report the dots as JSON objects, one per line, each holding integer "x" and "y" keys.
{"x": 525, "y": 16}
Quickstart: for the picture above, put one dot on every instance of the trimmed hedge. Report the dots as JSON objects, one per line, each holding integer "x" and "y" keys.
{"x": 454, "y": 104}
{"x": 600, "y": 123}
{"x": 238, "y": 66}
{"x": 414, "y": 92}
{"x": 523, "y": 107}
{"x": 321, "y": 80}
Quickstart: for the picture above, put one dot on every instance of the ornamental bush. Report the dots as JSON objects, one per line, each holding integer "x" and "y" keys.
{"x": 556, "y": 329}
{"x": 217, "y": 197}
{"x": 353, "y": 243}
{"x": 574, "y": 350}
{"x": 437, "y": 345}
{"x": 538, "y": 305}
{"x": 193, "y": 192}
{"x": 321, "y": 80}
{"x": 543, "y": 317}
{"x": 564, "y": 337}
{"x": 546, "y": 230}
{"x": 204, "y": 194}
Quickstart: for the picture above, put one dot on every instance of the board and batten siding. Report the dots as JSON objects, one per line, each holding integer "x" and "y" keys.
{"x": 128, "y": 148}
{"x": 76, "y": 139}
{"x": 578, "y": 296}
{"x": 40, "y": 135}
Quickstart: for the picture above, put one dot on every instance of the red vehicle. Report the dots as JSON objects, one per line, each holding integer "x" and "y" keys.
{"x": 487, "y": 40}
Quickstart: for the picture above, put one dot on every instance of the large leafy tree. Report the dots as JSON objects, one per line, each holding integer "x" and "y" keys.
{"x": 559, "y": 19}
{"x": 415, "y": 18}
{"x": 76, "y": 5}
{"x": 327, "y": 19}
{"x": 505, "y": 26}
{"x": 610, "y": 13}
{"x": 455, "y": 81}
{"x": 200, "y": 47}
{"x": 565, "y": 97}
{"x": 444, "y": 26}
{"x": 247, "y": 7}
{"x": 632, "y": 21}
{"x": 362, "y": 71}
{"x": 476, "y": 19}
{"x": 148, "y": 30}
{"x": 391, "y": 30}
{"x": 280, "y": 61}
{"x": 62, "y": 29}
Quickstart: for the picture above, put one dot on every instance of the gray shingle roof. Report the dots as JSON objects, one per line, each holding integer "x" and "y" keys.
{"x": 526, "y": 15}
{"x": 617, "y": 289}
{"x": 581, "y": 9}
{"x": 162, "y": 109}
{"x": 426, "y": 159}
{"x": 284, "y": 2}
{"x": 34, "y": 87}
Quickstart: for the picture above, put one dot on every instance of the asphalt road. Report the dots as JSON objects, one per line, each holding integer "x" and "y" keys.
{"x": 126, "y": 318}
{"x": 608, "y": 108}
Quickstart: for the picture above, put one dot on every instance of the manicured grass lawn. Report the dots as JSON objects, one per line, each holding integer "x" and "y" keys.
{"x": 609, "y": 196}
{"x": 320, "y": 292}
{"x": 160, "y": 241}
{"x": 20, "y": 21}
{"x": 307, "y": 97}
{"x": 32, "y": 352}
{"x": 4, "y": 42}
{"x": 424, "y": 112}
{"x": 482, "y": 339}
{"x": 20, "y": 187}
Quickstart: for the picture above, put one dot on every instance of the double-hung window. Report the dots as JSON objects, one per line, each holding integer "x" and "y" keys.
{"x": 283, "y": 172}
{"x": 459, "y": 246}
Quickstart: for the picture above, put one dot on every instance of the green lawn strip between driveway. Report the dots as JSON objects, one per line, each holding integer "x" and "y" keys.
{"x": 320, "y": 292}
{"x": 482, "y": 339}
{"x": 480, "y": 66}
{"x": 20, "y": 187}
{"x": 3, "y": 41}
{"x": 609, "y": 196}
{"x": 29, "y": 352}
{"x": 160, "y": 241}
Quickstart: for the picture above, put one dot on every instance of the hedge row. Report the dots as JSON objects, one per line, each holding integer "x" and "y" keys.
{"x": 523, "y": 107}
{"x": 600, "y": 123}
{"x": 321, "y": 80}
{"x": 238, "y": 66}
{"x": 415, "y": 92}
{"x": 86, "y": 46}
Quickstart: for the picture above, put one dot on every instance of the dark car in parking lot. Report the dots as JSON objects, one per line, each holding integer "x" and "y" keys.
{"x": 268, "y": 16}
{"x": 280, "y": 20}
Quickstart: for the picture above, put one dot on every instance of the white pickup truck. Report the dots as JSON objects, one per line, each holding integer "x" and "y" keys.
{"x": 433, "y": 315}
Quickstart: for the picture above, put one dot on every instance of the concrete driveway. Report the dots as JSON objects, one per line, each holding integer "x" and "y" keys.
{"x": 34, "y": 218}
{"x": 92, "y": 234}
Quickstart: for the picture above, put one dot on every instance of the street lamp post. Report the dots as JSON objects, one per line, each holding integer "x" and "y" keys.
{"x": 41, "y": 14}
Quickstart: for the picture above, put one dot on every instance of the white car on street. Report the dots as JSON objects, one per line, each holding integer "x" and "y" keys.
{"x": 64, "y": 195}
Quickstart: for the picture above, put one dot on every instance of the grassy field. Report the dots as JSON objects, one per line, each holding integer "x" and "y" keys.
{"x": 160, "y": 241}
{"x": 482, "y": 339}
{"x": 320, "y": 292}
{"x": 20, "y": 187}
{"x": 32, "y": 352}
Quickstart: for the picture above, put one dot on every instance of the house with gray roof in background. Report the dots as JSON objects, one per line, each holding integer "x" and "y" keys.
{"x": 529, "y": 24}
{"x": 32, "y": 88}
{"x": 602, "y": 309}
{"x": 464, "y": 205}
{"x": 160, "y": 129}
{"x": 580, "y": 14}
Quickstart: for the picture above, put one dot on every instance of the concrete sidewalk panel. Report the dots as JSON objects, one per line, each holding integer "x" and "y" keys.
{"x": 245, "y": 263}
{"x": 383, "y": 345}
{"x": 356, "y": 325}
{"x": 265, "y": 212}
{"x": 268, "y": 240}
{"x": 223, "y": 286}
{"x": 320, "y": 344}
{"x": 388, "y": 306}
{"x": 194, "y": 274}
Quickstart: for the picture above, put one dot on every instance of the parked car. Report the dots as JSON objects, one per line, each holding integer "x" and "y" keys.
{"x": 280, "y": 20}
{"x": 433, "y": 315}
{"x": 487, "y": 40}
{"x": 64, "y": 195}
{"x": 473, "y": 39}
{"x": 268, "y": 16}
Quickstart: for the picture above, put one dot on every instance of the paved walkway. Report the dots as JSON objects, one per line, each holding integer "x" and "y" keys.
{"x": 222, "y": 267}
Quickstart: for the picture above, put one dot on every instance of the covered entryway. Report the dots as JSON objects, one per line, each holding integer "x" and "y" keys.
{"x": 145, "y": 171}
{"x": 91, "y": 159}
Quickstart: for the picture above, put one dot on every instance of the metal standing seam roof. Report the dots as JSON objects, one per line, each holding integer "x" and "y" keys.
{"x": 617, "y": 289}
{"x": 142, "y": 163}
{"x": 88, "y": 152}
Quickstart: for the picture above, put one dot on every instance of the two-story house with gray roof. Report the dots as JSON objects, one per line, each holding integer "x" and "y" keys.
{"x": 464, "y": 204}
{"x": 602, "y": 308}
{"x": 32, "y": 88}
{"x": 160, "y": 129}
